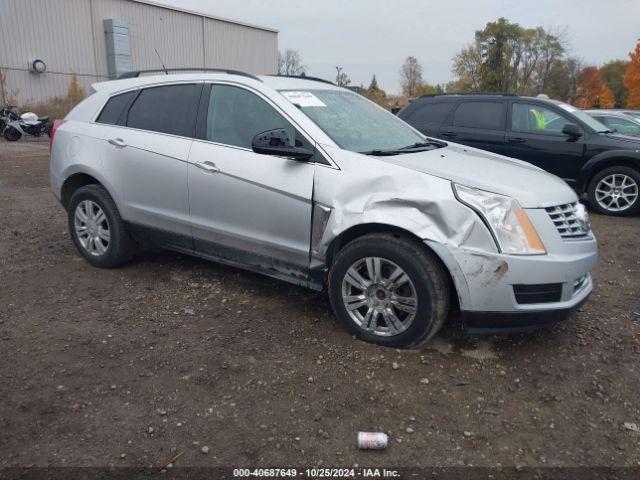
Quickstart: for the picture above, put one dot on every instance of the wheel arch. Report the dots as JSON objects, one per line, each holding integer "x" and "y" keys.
{"x": 621, "y": 158}
{"x": 360, "y": 230}
{"x": 79, "y": 179}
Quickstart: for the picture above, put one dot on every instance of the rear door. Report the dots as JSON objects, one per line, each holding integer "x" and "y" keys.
{"x": 147, "y": 159}
{"x": 535, "y": 136}
{"x": 247, "y": 208}
{"x": 477, "y": 123}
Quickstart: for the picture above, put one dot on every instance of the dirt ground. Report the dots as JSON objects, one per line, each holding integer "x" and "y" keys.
{"x": 110, "y": 368}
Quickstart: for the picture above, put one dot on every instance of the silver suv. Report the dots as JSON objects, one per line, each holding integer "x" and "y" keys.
{"x": 313, "y": 184}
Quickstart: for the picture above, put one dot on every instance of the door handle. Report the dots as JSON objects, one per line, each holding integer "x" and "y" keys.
{"x": 208, "y": 167}
{"x": 448, "y": 134}
{"x": 516, "y": 140}
{"x": 117, "y": 142}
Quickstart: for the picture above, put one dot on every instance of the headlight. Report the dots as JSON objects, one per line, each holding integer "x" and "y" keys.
{"x": 510, "y": 225}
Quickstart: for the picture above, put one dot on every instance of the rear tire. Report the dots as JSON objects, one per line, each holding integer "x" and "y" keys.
{"x": 379, "y": 309}
{"x": 615, "y": 191}
{"x": 12, "y": 135}
{"x": 96, "y": 228}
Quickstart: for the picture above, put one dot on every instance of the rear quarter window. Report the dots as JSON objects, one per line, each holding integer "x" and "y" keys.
{"x": 483, "y": 115}
{"x": 431, "y": 113}
{"x": 114, "y": 108}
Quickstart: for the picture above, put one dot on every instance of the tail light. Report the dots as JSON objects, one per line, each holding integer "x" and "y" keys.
{"x": 56, "y": 124}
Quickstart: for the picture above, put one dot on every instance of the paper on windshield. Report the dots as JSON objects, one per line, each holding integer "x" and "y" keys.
{"x": 303, "y": 99}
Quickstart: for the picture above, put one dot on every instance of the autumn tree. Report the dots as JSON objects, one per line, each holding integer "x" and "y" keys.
{"x": 592, "y": 91}
{"x": 613, "y": 76}
{"x": 411, "y": 77}
{"x": 632, "y": 78}
{"x": 290, "y": 63}
{"x": 75, "y": 93}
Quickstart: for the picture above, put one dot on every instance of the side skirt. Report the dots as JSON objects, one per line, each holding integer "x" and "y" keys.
{"x": 227, "y": 256}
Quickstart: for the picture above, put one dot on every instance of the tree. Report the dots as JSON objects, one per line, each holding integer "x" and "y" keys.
{"x": 342, "y": 79}
{"x": 592, "y": 91}
{"x": 613, "y": 76}
{"x": 632, "y": 78}
{"x": 466, "y": 67}
{"x": 375, "y": 93}
{"x": 507, "y": 57}
{"x": 501, "y": 54}
{"x": 411, "y": 77}
{"x": 75, "y": 93}
{"x": 563, "y": 79}
{"x": 290, "y": 63}
{"x": 374, "y": 83}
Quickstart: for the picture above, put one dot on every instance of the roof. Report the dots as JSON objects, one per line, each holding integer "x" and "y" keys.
{"x": 275, "y": 82}
{"x": 206, "y": 15}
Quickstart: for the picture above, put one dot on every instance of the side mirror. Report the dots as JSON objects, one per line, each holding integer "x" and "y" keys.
{"x": 571, "y": 130}
{"x": 277, "y": 142}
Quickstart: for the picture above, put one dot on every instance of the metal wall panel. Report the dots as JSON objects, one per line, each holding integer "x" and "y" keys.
{"x": 236, "y": 46}
{"x": 57, "y": 32}
{"x": 177, "y": 36}
{"x": 69, "y": 36}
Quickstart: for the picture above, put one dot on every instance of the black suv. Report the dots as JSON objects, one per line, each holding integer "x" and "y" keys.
{"x": 552, "y": 135}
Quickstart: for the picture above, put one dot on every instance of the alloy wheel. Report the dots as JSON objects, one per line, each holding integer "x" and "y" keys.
{"x": 92, "y": 228}
{"x": 616, "y": 192}
{"x": 379, "y": 296}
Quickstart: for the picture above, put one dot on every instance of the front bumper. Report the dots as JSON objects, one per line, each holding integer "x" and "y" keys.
{"x": 485, "y": 281}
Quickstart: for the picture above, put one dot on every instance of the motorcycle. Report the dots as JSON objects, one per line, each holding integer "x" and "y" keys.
{"x": 14, "y": 125}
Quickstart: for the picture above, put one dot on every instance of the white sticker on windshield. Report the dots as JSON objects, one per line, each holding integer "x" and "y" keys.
{"x": 303, "y": 99}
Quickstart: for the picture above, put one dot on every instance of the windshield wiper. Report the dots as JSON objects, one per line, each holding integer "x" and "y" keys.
{"x": 421, "y": 145}
{"x": 407, "y": 149}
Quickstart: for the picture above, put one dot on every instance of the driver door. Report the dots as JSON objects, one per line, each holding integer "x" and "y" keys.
{"x": 535, "y": 135}
{"x": 245, "y": 208}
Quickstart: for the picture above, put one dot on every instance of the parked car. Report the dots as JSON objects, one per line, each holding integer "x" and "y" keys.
{"x": 549, "y": 134}
{"x": 617, "y": 121}
{"x": 633, "y": 113}
{"x": 313, "y": 184}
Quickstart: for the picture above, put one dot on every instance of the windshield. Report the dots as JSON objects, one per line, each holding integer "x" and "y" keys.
{"x": 584, "y": 117}
{"x": 353, "y": 122}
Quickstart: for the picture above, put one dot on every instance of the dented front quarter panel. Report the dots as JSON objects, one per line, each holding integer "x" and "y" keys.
{"x": 367, "y": 190}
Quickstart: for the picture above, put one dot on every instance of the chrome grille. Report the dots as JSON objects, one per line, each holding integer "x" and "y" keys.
{"x": 570, "y": 220}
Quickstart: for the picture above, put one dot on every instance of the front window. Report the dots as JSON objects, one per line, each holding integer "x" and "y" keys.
{"x": 353, "y": 122}
{"x": 530, "y": 118}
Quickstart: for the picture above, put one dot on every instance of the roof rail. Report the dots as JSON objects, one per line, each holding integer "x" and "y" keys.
{"x": 137, "y": 73}
{"x": 304, "y": 77}
{"x": 495, "y": 94}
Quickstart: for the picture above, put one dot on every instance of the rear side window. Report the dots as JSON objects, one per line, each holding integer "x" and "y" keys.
{"x": 114, "y": 108}
{"x": 486, "y": 115}
{"x": 431, "y": 113}
{"x": 170, "y": 109}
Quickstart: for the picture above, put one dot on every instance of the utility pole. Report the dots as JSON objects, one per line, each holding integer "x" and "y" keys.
{"x": 2, "y": 93}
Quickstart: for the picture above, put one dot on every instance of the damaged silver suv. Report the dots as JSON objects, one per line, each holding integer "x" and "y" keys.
{"x": 313, "y": 184}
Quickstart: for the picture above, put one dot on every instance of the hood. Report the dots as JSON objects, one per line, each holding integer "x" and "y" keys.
{"x": 531, "y": 186}
{"x": 628, "y": 141}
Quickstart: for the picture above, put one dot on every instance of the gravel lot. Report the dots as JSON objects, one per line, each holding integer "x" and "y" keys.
{"x": 170, "y": 354}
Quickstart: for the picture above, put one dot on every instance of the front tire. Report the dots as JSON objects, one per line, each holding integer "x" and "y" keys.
{"x": 615, "y": 191}
{"x": 96, "y": 228}
{"x": 12, "y": 134}
{"x": 389, "y": 290}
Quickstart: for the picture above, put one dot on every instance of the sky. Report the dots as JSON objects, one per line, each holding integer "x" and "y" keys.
{"x": 375, "y": 36}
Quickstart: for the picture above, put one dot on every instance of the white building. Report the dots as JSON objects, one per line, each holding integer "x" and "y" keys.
{"x": 101, "y": 39}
